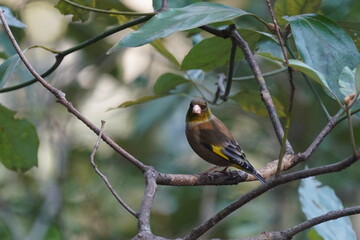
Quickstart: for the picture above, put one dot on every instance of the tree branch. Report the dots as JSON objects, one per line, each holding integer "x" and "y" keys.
{"x": 204, "y": 227}
{"x": 264, "y": 91}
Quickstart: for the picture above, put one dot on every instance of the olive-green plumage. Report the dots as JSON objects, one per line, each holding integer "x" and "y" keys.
{"x": 212, "y": 141}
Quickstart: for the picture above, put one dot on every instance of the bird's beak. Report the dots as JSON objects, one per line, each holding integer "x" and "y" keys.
{"x": 196, "y": 109}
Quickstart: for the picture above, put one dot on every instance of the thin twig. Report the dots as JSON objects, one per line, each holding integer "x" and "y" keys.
{"x": 322, "y": 218}
{"x": 108, "y": 11}
{"x": 231, "y": 66}
{"x": 292, "y": 88}
{"x": 267, "y": 74}
{"x": 333, "y": 121}
{"x": 103, "y": 177}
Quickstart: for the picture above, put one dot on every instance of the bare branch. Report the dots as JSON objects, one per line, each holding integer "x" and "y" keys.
{"x": 289, "y": 233}
{"x": 264, "y": 91}
{"x": 204, "y": 227}
{"x": 103, "y": 177}
{"x": 148, "y": 198}
{"x": 322, "y": 218}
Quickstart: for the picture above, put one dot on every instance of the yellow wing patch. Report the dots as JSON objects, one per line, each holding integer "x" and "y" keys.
{"x": 217, "y": 150}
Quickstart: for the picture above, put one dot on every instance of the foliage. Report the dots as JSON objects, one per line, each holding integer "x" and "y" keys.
{"x": 109, "y": 73}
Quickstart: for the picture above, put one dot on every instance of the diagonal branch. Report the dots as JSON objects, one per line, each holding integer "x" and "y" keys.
{"x": 264, "y": 91}
{"x": 204, "y": 227}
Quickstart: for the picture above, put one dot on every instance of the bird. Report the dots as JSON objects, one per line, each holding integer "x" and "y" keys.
{"x": 211, "y": 140}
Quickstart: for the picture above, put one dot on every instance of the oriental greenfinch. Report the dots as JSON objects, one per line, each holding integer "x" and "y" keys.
{"x": 212, "y": 141}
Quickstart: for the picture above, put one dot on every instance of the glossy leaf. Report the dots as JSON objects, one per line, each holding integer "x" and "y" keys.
{"x": 158, "y": 44}
{"x": 78, "y": 13}
{"x": 179, "y": 19}
{"x": 268, "y": 47}
{"x": 7, "y": 68}
{"x": 167, "y": 82}
{"x": 292, "y": 8}
{"x": 250, "y": 101}
{"x": 215, "y": 52}
{"x": 309, "y": 71}
{"x": 317, "y": 199}
{"x": 347, "y": 82}
{"x": 19, "y": 142}
{"x": 324, "y": 46}
{"x": 10, "y": 19}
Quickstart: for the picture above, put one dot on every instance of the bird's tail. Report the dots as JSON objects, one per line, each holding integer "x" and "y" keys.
{"x": 259, "y": 177}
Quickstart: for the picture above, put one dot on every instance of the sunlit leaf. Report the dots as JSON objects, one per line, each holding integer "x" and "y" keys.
{"x": 78, "y": 13}
{"x": 10, "y": 19}
{"x": 292, "y": 8}
{"x": 167, "y": 82}
{"x": 324, "y": 46}
{"x": 19, "y": 142}
{"x": 179, "y": 19}
{"x": 7, "y": 68}
{"x": 250, "y": 101}
{"x": 317, "y": 199}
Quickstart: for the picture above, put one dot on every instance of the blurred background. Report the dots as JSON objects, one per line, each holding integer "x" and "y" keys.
{"x": 63, "y": 198}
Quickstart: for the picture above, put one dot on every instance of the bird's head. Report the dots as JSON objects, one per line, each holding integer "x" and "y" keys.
{"x": 198, "y": 111}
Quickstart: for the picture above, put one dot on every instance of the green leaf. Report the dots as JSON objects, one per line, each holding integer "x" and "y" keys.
{"x": 317, "y": 199}
{"x": 324, "y": 46}
{"x": 292, "y": 8}
{"x": 168, "y": 81}
{"x": 215, "y": 52}
{"x": 139, "y": 101}
{"x": 179, "y": 19}
{"x": 78, "y": 13}
{"x": 347, "y": 82}
{"x": 269, "y": 48}
{"x": 159, "y": 46}
{"x": 250, "y": 101}
{"x": 19, "y": 142}
{"x": 10, "y": 19}
{"x": 7, "y": 68}
{"x": 310, "y": 72}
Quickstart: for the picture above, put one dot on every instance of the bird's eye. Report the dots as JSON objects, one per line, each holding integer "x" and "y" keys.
{"x": 203, "y": 107}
